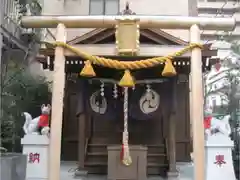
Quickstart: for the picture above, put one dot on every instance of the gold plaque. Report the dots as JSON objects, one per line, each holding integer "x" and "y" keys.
{"x": 127, "y": 36}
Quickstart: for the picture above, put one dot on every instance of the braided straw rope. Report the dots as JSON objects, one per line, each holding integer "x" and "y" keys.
{"x": 127, "y": 160}
{"x": 131, "y": 65}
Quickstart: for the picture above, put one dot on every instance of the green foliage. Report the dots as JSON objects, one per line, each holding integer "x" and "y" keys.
{"x": 21, "y": 91}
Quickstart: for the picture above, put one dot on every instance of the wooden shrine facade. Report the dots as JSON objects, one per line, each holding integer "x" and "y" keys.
{"x": 87, "y": 134}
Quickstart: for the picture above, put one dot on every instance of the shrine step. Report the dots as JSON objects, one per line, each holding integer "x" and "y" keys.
{"x": 152, "y": 149}
{"x": 156, "y": 149}
{"x": 103, "y": 157}
{"x": 97, "y": 159}
{"x": 96, "y": 167}
{"x": 97, "y": 148}
{"x": 112, "y": 139}
{"x": 101, "y": 168}
{"x": 157, "y": 169}
{"x": 156, "y": 158}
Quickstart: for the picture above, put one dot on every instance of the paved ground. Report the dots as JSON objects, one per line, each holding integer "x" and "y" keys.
{"x": 67, "y": 172}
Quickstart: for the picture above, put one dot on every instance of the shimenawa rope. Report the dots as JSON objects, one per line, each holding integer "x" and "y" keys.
{"x": 127, "y": 79}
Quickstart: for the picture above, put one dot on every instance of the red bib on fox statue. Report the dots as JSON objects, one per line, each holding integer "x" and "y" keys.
{"x": 44, "y": 120}
{"x": 44, "y": 117}
{"x": 207, "y": 122}
{"x": 207, "y": 125}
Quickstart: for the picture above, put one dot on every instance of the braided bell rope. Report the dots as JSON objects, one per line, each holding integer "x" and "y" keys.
{"x": 131, "y": 65}
{"x": 127, "y": 160}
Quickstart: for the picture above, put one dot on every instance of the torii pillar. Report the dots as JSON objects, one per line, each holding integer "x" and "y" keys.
{"x": 57, "y": 106}
{"x": 165, "y": 22}
{"x": 197, "y": 102}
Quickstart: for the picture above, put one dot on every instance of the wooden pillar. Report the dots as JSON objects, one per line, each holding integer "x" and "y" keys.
{"x": 57, "y": 107}
{"x": 172, "y": 172}
{"x": 82, "y": 128}
{"x": 190, "y": 109}
{"x": 81, "y": 140}
{"x": 197, "y": 106}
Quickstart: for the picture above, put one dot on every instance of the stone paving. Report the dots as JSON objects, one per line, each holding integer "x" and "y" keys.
{"x": 67, "y": 172}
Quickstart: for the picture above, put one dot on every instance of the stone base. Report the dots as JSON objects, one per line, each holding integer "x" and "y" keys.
{"x": 83, "y": 174}
{"x": 13, "y": 166}
{"x": 35, "y": 139}
{"x": 173, "y": 175}
{"x": 219, "y": 159}
{"x": 36, "y": 149}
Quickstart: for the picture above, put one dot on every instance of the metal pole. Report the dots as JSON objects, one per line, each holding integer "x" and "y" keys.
{"x": 197, "y": 106}
{"x": 165, "y": 22}
{"x": 1, "y": 60}
{"x": 57, "y": 107}
{"x": 1, "y": 39}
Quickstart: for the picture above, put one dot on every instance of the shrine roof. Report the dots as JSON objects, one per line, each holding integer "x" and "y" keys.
{"x": 153, "y": 42}
{"x": 147, "y": 36}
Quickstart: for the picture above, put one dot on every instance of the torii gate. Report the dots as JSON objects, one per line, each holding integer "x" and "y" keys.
{"x": 194, "y": 24}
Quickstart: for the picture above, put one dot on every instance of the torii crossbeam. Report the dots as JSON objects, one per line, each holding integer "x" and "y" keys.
{"x": 163, "y": 22}
{"x": 194, "y": 24}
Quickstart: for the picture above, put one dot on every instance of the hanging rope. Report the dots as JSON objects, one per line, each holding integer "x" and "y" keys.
{"x": 131, "y": 65}
{"x": 127, "y": 79}
{"x": 125, "y": 154}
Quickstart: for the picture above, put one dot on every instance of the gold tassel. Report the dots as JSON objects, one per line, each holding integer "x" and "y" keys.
{"x": 88, "y": 70}
{"x": 169, "y": 69}
{"x": 127, "y": 80}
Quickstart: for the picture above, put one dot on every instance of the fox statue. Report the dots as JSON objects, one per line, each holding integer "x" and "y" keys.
{"x": 38, "y": 125}
{"x": 217, "y": 126}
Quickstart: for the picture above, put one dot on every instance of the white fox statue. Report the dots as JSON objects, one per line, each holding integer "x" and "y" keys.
{"x": 38, "y": 125}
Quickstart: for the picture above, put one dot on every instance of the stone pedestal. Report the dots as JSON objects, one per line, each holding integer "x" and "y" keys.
{"x": 219, "y": 164}
{"x": 136, "y": 171}
{"x": 13, "y": 166}
{"x": 173, "y": 175}
{"x": 36, "y": 149}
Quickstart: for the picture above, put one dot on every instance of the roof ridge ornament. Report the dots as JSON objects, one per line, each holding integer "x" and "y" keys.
{"x": 127, "y": 10}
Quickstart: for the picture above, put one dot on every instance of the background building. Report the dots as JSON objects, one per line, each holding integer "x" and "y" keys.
{"x": 220, "y": 8}
{"x": 218, "y": 81}
{"x": 113, "y": 7}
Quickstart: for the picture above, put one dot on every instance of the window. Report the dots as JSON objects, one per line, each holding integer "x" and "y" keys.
{"x": 104, "y": 7}
{"x": 214, "y": 101}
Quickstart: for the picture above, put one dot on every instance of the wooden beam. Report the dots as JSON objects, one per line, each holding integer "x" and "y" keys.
{"x": 57, "y": 107}
{"x": 78, "y": 39}
{"x": 110, "y": 50}
{"x": 145, "y": 21}
{"x": 197, "y": 106}
{"x": 102, "y": 37}
{"x": 157, "y": 34}
{"x": 169, "y": 36}
{"x": 153, "y": 38}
